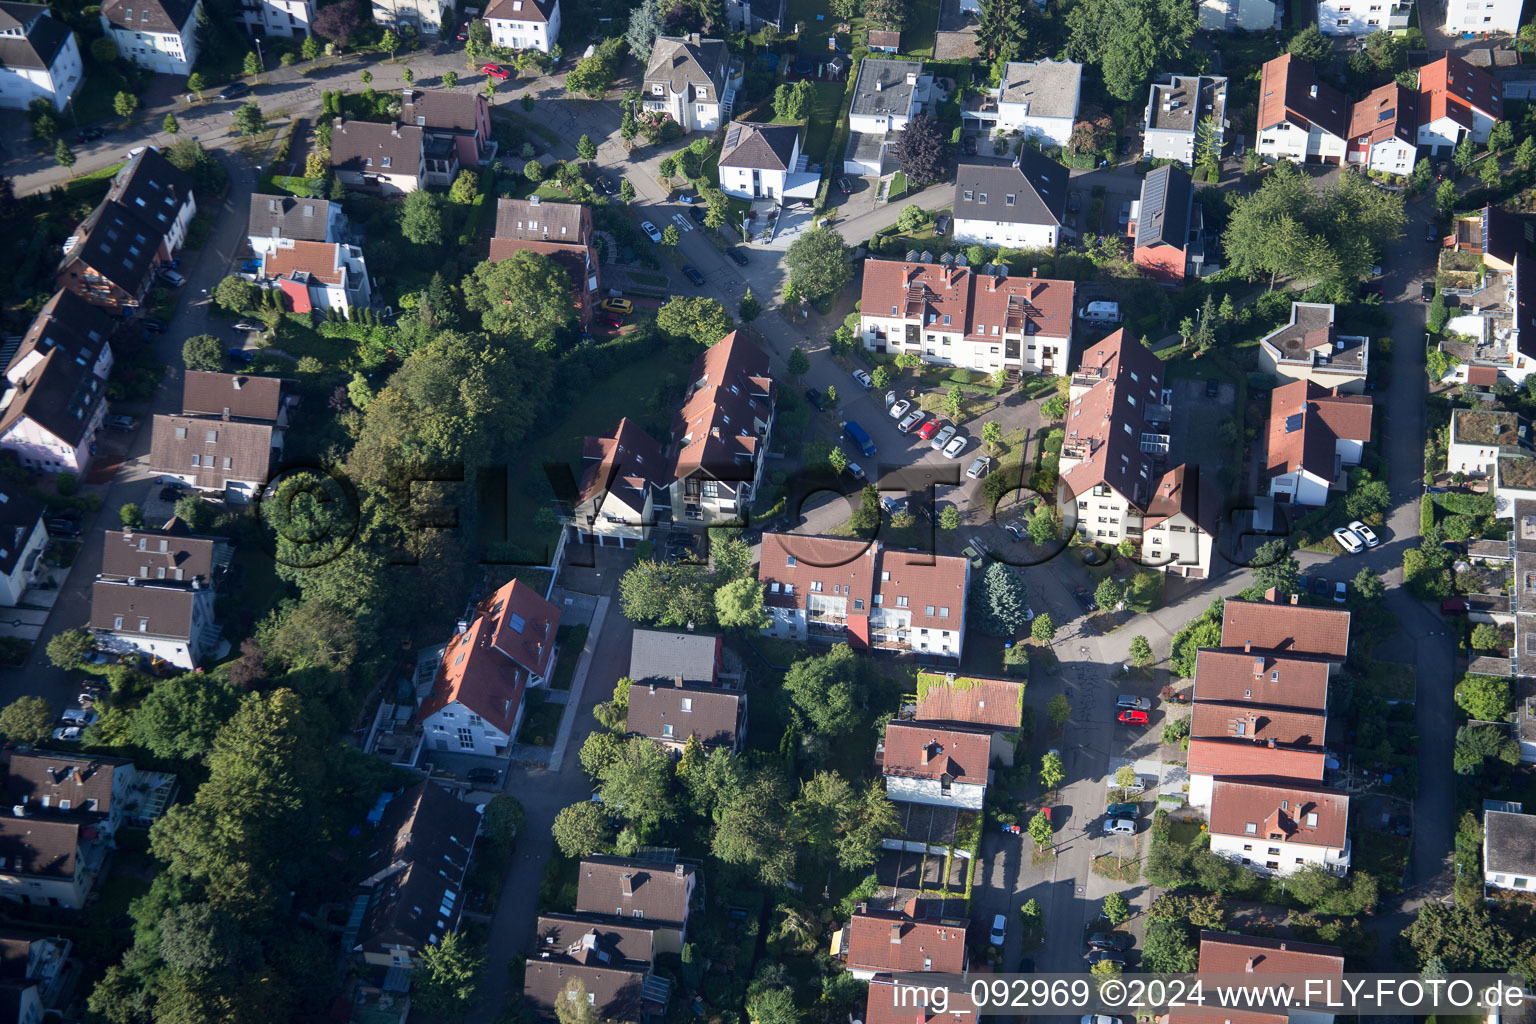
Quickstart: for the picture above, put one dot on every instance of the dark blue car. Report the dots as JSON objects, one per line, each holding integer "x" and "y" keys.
{"x": 242, "y": 356}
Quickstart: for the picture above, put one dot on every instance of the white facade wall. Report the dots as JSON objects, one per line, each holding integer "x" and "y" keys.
{"x": 738, "y": 181}
{"x": 1056, "y": 131}
{"x": 1178, "y": 544}
{"x": 1508, "y": 880}
{"x": 457, "y": 730}
{"x": 526, "y": 35}
{"x": 1200, "y": 786}
{"x": 283, "y": 18}
{"x": 946, "y": 345}
{"x": 1352, "y": 17}
{"x": 1393, "y": 156}
{"x": 1483, "y": 16}
{"x": 20, "y": 86}
{"x": 1301, "y": 487}
{"x": 1289, "y": 142}
{"x": 426, "y": 16}
{"x": 1257, "y": 854}
{"x": 1168, "y": 145}
{"x": 163, "y": 53}
{"x": 1101, "y": 518}
{"x": 67, "y": 893}
{"x": 1472, "y": 459}
{"x": 12, "y": 587}
{"x": 968, "y": 796}
{"x": 1227, "y": 15}
{"x": 1014, "y": 236}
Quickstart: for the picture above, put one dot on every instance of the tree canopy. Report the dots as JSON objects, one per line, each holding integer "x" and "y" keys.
{"x": 819, "y": 263}
{"x": 825, "y": 690}
{"x": 1129, "y": 40}
{"x": 524, "y": 296}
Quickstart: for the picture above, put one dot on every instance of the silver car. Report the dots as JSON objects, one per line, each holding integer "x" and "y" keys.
{"x": 912, "y": 419}
{"x": 900, "y": 409}
{"x": 979, "y": 468}
{"x": 1119, "y": 827}
{"x": 955, "y": 447}
{"x": 942, "y": 438}
{"x": 650, "y": 231}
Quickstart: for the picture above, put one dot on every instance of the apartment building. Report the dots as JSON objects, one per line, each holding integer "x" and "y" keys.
{"x": 1301, "y": 118}
{"x": 721, "y": 434}
{"x": 1184, "y": 113}
{"x": 1308, "y": 348}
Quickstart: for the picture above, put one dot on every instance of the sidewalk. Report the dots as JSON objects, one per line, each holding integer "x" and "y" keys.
{"x": 578, "y": 684}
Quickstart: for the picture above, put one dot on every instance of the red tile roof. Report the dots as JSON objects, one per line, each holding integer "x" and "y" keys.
{"x": 732, "y": 392}
{"x": 486, "y": 667}
{"x": 971, "y": 699}
{"x": 1185, "y": 490}
{"x": 905, "y": 940}
{"x": 1221, "y": 953}
{"x": 1290, "y": 629}
{"x": 882, "y": 1008}
{"x": 1450, "y": 87}
{"x": 1247, "y": 759}
{"x": 791, "y": 567}
{"x": 622, "y": 464}
{"x": 1306, "y": 422}
{"x": 925, "y": 750}
{"x": 321, "y": 260}
{"x": 1105, "y": 423}
{"x": 975, "y": 302}
{"x": 1384, "y": 113}
{"x": 1235, "y": 675}
{"x": 1280, "y": 811}
{"x": 1253, "y": 723}
{"x": 1289, "y": 91}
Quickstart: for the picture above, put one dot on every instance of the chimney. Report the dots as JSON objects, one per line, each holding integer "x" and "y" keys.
{"x": 239, "y": 383}
{"x": 395, "y": 131}
{"x": 1271, "y": 743}
{"x": 1249, "y": 966}
{"x": 653, "y": 689}
{"x": 895, "y": 934}
{"x": 1272, "y": 596}
{"x": 926, "y": 749}
{"x": 627, "y": 884}
{"x": 405, "y": 95}
{"x": 1313, "y": 92}
{"x": 911, "y": 77}
{"x": 1295, "y": 599}
{"x": 533, "y": 200}
{"x": 1247, "y": 646}
{"x": 1282, "y": 947}
{"x": 678, "y": 681}
{"x": 677, "y": 870}
{"x": 1258, "y": 667}
{"x": 1034, "y": 271}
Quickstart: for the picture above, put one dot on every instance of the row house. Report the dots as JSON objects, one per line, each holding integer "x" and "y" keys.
{"x": 1022, "y": 205}
{"x": 1309, "y": 348}
{"x": 1176, "y": 110}
{"x": 688, "y": 79}
{"x": 55, "y": 397}
{"x": 156, "y": 35}
{"x": 476, "y": 702}
{"x": 387, "y": 159}
{"x": 623, "y": 488}
{"x": 1282, "y": 827}
{"x": 318, "y": 275}
{"x": 993, "y": 705}
{"x": 952, "y": 314}
{"x": 1383, "y": 130}
{"x": 285, "y": 19}
{"x": 864, "y": 594}
{"x": 562, "y": 232}
{"x": 524, "y": 24}
{"x": 886, "y": 96}
{"x": 1038, "y": 99}
{"x": 278, "y": 219}
{"x": 1509, "y": 848}
{"x": 900, "y": 999}
{"x": 1301, "y": 118}
{"x": 23, "y": 539}
{"x": 940, "y": 765}
{"x": 911, "y": 939}
{"x": 678, "y": 691}
{"x": 230, "y": 429}
{"x": 1479, "y": 438}
{"x": 763, "y": 161}
{"x": 1456, "y": 101}
{"x": 1167, "y": 227}
{"x": 39, "y": 57}
{"x": 49, "y": 858}
{"x": 1315, "y": 436}
{"x": 721, "y": 434}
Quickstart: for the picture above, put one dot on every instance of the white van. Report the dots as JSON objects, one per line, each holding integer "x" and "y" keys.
{"x": 1101, "y": 312}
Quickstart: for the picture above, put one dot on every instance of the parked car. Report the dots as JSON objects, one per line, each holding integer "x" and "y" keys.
{"x": 462, "y": 35}
{"x": 1349, "y": 540}
{"x": 120, "y": 422}
{"x": 1319, "y": 586}
{"x": 1124, "y": 810}
{"x": 698, "y": 214}
{"x": 172, "y": 278}
{"x": 1340, "y": 592}
{"x": 1119, "y": 827}
{"x": 979, "y": 468}
{"x": 1074, "y": 202}
{"x": 1085, "y": 598}
{"x": 67, "y": 733}
{"x": 482, "y": 775}
{"x": 247, "y": 325}
{"x": 1109, "y": 940}
{"x": 737, "y": 256}
{"x": 88, "y": 134}
{"x": 1100, "y": 956}
{"x": 251, "y": 267}
{"x": 234, "y": 90}
{"x": 1099, "y": 1018}
{"x": 495, "y": 71}
{"x": 1130, "y": 717}
{"x": 96, "y": 657}
{"x": 63, "y": 527}
{"x": 856, "y": 471}
{"x": 1016, "y": 529}
{"x": 623, "y": 306}
{"x": 900, "y": 408}
{"x": 972, "y": 555}
{"x": 956, "y": 445}
{"x": 1365, "y": 533}
{"x": 844, "y": 185}
{"x": 1431, "y": 233}
{"x": 650, "y": 231}
{"x": 968, "y": 145}
{"x": 1126, "y": 700}
{"x": 606, "y": 184}
{"x": 942, "y": 438}
{"x": 79, "y": 716}
{"x": 1453, "y": 606}
{"x": 999, "y": 929}
{"x": 243, "y": 356}
{"x": 814, "y": 397}
{"x": 911, "y": 420}
{"x": 1427, "y": 291}
{"x": 865, "y": 380}
{"x": 941, "y": 226}
{"x": 691, "y": 272}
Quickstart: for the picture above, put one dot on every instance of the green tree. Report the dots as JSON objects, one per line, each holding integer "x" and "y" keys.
{"x": 1485, "y": 637}
{"x": 1489, "y": 173}
{"x": 1525, "y": 154}
{"x": 586, "y": 149}
{"x": 1274, "y": 567}
{"x": 819, "y": 263}
{"x": 1475, "y": 746}
{"x": 949, "y": 518}
{"x": 194, "y": 512}
{"x": 181, "y": 717}
{"x": 1044, "y": 526}
{"x": 638, "y": 784}
{"x": 1117, "y": 910}
{"x": 628, "y": 126}
{"x": 774, "y": 1005}
{"x": 739, "y": 605}
{"x": 532, "y": 170}
{"x": 169, "y": 125}
{"x": 367, "y": 76}
{"x": 309, "y": 49}
{"x": 792, "y": 101}
{"x": 1109, "y": 593}
{"x": 645, "y": 24}
{"x": 1311, "y": 46}
{"x": 1467, "y": 938}
{"x": 799, "y": 365}
{"x": 125, "y": 103}
{"x": 512, "y": 297}
{"x": 1129, "y": 39}
{"x": 1501, "y": 136}
{"x": 592, "y": 76}
{"x": 27, "y": 720}
{"x": 667, "y": 594}
{"x": 1464, "y": 154}
{"x": 574, "y": 1006}
{"x": 752, "y": 825}
{"x": 502, "y": 820}
{"x": 1052, "y": 770}
{"x": 825, "y": 691}
{"x": 626, "y": 191}
{"x": 446, "y": 978}
{"x": 1001, "y": 31}
{"x": 132, "y": 516}
{"x": 670, "y": 236}
{"x": 832, "y": 820}
{"x": 838, "y": 460}
{"x": 667, "y": 167}
{"x": 1002, "y": 601}
{"x": 389, "y": 41}
{"x": 881, "y": 377}
{"x": 236, "y": 295}
{"x": 1445, "y": 198}
{"x": 196, "y": 84}
{"x": 203, "y": 352}
{"x": 992, "y": 435}
{"x": 703, "y": 321}
{"x": 465, "y": 188}
{"x": 1485, "y": 698}
{"x": 63, "y": 155}
{"x": 450, "y": 79}
{"x": 421, "y": 221}
{"x": 251, "y": 65}
{"x": 1040, "y": 830}
{"x": 1043, "y": 629}
{"x": 1167, "y": 948}
{"x": 954, "y": 401}
{"x": 749, "y": 308}
{"x": 67, "y": 650}
{"x": 1141, "y": 652}
{"x": 248, "y": 119}
{"x": 1058, "y": 709}
{"x": 1368, "y": 585}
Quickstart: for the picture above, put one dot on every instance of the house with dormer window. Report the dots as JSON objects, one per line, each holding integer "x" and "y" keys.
{"x": 39, "y": 57}
{"x": 720, "y": 437}
{"x": 524, "y": 24}
{"x": 687, "y": 78}
{"x": 911, "y": 939}
{"x": 168, "y": 622}
{"x": 156, "y": 35}
{"x": 1280, "y": 828}
{"x": 929, "y": 763}
{"x": 1021, "y": 206}
{"x": 385, "y": 159}
{"x": 55, "y": 395}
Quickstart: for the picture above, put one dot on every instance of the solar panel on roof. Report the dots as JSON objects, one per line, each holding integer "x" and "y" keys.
{"x": 1293, "y": 423}
{"x": 1386, "y": 115}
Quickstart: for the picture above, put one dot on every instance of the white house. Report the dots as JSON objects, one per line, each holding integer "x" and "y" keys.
{"x": 939, "y": 765}
{"x": 174, "y": 624}
{"x": 425, "y": 16}
{"x": 1301, "y": 119}
{"x": 1230, "y": 15}
{"x": 763, "y": 161}
{"x": 721, "y": 434}
{"x": 886, "y": 96}
{"x": 47, "y": 859}
{"x": 1480, "y": 436}
{"x": 318, "y": 275}
{"x": 22, "y": 540}
{"x": 1038, "y": 99}
{"x": 687, "y": 78}
{"x": 1383, "y": 128}
{"x": 39, "y": 57}
{"x": 55, "y": 396}
{"x": 524, "y": 24}
{"x": 1179, "y": 529}
{"x": 476, "y": 702}
{"x": 1509, "y": 849}
{"x": 1314, "y": 435}
{"x": 1456, "y": 100}
{"x": 157, "y": 35}
{"x": 1175, "y": 111}
{"x": 1483, "y": 16}
{"x": 1022, "y": 205}
{"x": 1355, "y": 17}
{"x": 1308, "y": 348}
{"x": 278, "y": 218}
{"x": 954, "y": 315}
{"x": 623, "y": 482}
{"x": 1280, "y": 828}
{"x": 277, "y": 17}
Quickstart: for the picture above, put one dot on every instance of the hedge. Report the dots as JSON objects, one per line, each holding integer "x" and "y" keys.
{"x": 1426, "y": 514}
{"x": 1466, "y": 504}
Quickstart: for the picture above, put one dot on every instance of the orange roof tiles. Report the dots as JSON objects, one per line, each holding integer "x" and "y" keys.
{"x": 1245, "y": 758}
{"x": 931, "y": 587}
{"x": 1221, "y": 953}
{"x": 733, "y": 391}
{"x": 1292, "y": 812}
{"x": 905, "y": 941}
{"x": 1450, "y": 87}
{"x": 1242, "y": 720}
{"x": 963, "y": 299}
{"x": 1289, "y": 91}
{"x": 970, "y": 699}
{"x": 924, "y": 750}
{"x": 1105, "y": 423}
{"x": 1290, "y": 629}
{"x": 882, "y": 1007}
{"x": 1325, "y": 417}
{"x": 1385, "y": 113}
{"x": 1236, "y": 675}
{"x": 321, "y": 260}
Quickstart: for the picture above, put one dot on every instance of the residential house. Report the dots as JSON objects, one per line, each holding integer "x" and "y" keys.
{"x": 230, "y": 457}
{"x": 1022, "y": 205}
{"x": 1479, "y": 437}
{"x": 476, "y": 702}
{"x": 33, "y": 974}
{"x": 281, "y": 18}
{"x": 414, "y": 890}
{"x": 1457, "y": 100}
{"x": 941, "y": 765}
{"x": 1308, "y": 348}
{"x": 1168, "y": 227}
{"x": 1234, "y": 15}
{"x": 623, "y": 489}
{"x": 275, "y": 219}
{"x": 913, "y": 939}
{"x": 240, "y": 396}
{"x": 1250, "y": 739}
{"x": 156, "y": 35}
{"x": 884, "y": 41}
{"x": 561, "y": 232}
{"x": 1280, "y": 828}
{"x": 763, "y": 161}
{"x": 55, "y": 396}
{"x": 1301, "y": 118}
{"x": 1294, "y": 628}
{"x": 1509, "y": 849}
{"x": 867, "y": 595}
{"x": 990, "y": 704}
{"x": 1503, "y": 63}
{"x": 751, "y": 15}
{"x": 1362, "y": 17}
{"x": 1522, "y": 661}
{"x": 1180, "y": 524}
{"x": 687, "y": 79}
{"x": 22, "y": 541}
{"x": 39, "y": 57}
{"x": 1482, "y": 17}
{"x": 388, "y": 159}
{"x": 720, "y": 436}
{"x": 172, "y": 555}
{"x": 49, "y": 860}
{"x": 1314, "y": 435}
{"x": 111, "y": 259}
{"x": 617, "y": 990}
{"x": 165, "y": 621}
{"x": 1382, "y": 130}
{"x": 1233, "y": 675}
{"x": 886, "y": 96}
{"x": 1227, "y": 955}
{"x": 524, "y": 24}
{"x": 91, "y": 788}
{"x": 1514, "y": 479}
{"x": 622, "y": 938}
{"x": 1186, "y": 117}
{"x": 952, "y": 314}
{"x": 318, "y": 275}
{"x": 1487, "y": 266}
{"x": 427, "y": 17}
{"x": 898, "y": 999}
{"x": 659, "y": 893}
{"x": 1038, "y": 99}
{"x": 154, "y": 188}
{"x": 676, "y": 691}
{"x": 457, "y": 127}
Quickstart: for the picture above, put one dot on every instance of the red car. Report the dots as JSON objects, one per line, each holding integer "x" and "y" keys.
{"x": 463, "y": 32}
{"x": 495, "y": 71}
{"x": 1133, "y": 717}
{"x": 929, "y": 429}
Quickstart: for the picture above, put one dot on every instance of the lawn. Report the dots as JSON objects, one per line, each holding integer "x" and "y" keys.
{"x": 922, "y": 26}
{"x": 825, "y": 108}
{"x": 542, "y": 721}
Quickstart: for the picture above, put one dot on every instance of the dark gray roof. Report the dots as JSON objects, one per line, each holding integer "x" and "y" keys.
{"x": 680, "y": 62}
{"x": 529, "y": 10}
{"x": 659, "y": 654}
{"x": 355, "y": 143}
{"x": 615, "y": 885}
{"x": 118, "y": 243}
{"x": 1166, "y": 197}
{"x": 894, "y": 93}
{"x": 441, "y": 109}
{"x": 40, "y": 847}
{"x": 1032, "y": 191}
{"x": 164, "y": 16}
{"x": 164, "y": 611}
{"x": 44, "y": 36}
{"x": 1510, "y": 842}
{"x": 658, "y": 711}
{"x": 170, "y": 556}
{"x": 768, "y": 147}
{"x": 242, "y": 396}
{"x": 416, "y": 870}
{"x": 19, "y": 515}
{"x": 152, "y": 187}
{"x": 59, "y": 391}
{"x": 303, "y": 220}
{"x": 176, "y": 440}
{"x": 58, "y": 777}
{"x": 624, "y": 938}
{"x": 616, "y": 989}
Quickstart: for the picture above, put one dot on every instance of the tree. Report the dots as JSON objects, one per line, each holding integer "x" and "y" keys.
{"x": 1052, "y": 771}
{"x": 992, "y": 435}
{"x": 772, "y": 1006}
{"x": 1367, "y": 498}
{"x": 236, "y": 295}
{"x": 512, "y": 297}
{"x": 799, "y": 365}
{"x": 645, "y": 24}
{"x": 1128, "y": 39}
{"x": 1058, "y": 709}
{"x": 1000, "y": 31}
{"x": 668, "y": 594}
{"x": 309, "y": 49}
{"x": 888, "y": 15}
{"x": 1108, "y": 594}
{"x": 1141, "y": 652}
{"x": 1463, "y": 939}
{"x": 1002, "y": 600}
{"x": 1275, "y": 568}
{"x": 181, "y": 717}
{"x": 838, "y": 460}
{"x": 314, "y": 634}
{"x": 465, "y": 188}
{"x": 819, "y": 263}
{"x": 792, "y": 100}
{"x": 921, "y": 151}
{"x": 638, "y": 783}
{"x": 581, "y": 830}
{"x": 67, "y": 650}
{"x": 667, "y": 167}
{"x": 1501, "y": 136}
{"x": 1445, "y": 198}
{"x": 586, "y": 149}
{"x": 132, "y": 516}
{"x": 825, "y": 691}
{"x": 337, "y": 22}
{"x": 1311, "y": 46}
{"x": 421, "y": 221}
{"x": 700, "y": 320}
{"x": 593, "y": 75}
{"x": 391, "y": 42}
{"x": 949, "y": 518}
{"x": 670, "y": 236}
{"x": 881, "y": 377}
{"x": 532, "y": 170}
{"x": 626, "y": 191}
{"x": 1485, "y": 698}
{"x": 248, "y": 119}
{"x": 752, "y": 825}
{"x": 503, "y": 819}
{"x": 193, "y": 511}
{"x": 367, "y": 77}
{"x": 196, "y": 84}
{"x": 27, "y": 720}
{"x": 739, "y": 605}
{"x": 954, "y": 401}
{"x": 1040, "y": 830}
{"x": 63, "y": 155}
{"x": 832, "y": 820}
{"x": 169, "y": 125}
{"x": 1525, "y": 155}
{"x": 749, "y": 308}
{"x": 125, "y": 103}
{"x": 1043, "y": 629}
{"x": 103, "y": 50}
{"x": 1368, "y": 585}
{"x": 251, "y": 65}
{"x": 1117, "y": 910}
{"x": 450, "y": 79}
{"x": 445, "y": 982}
{"x": 1485, "y": 637}
{"x": 1475, "y": 745}
{"x": 1489, "y": 174}
{"x": 1167, "y": 948}
{"x": 1464, "y": 154}
{"x": 203, "y": 352}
